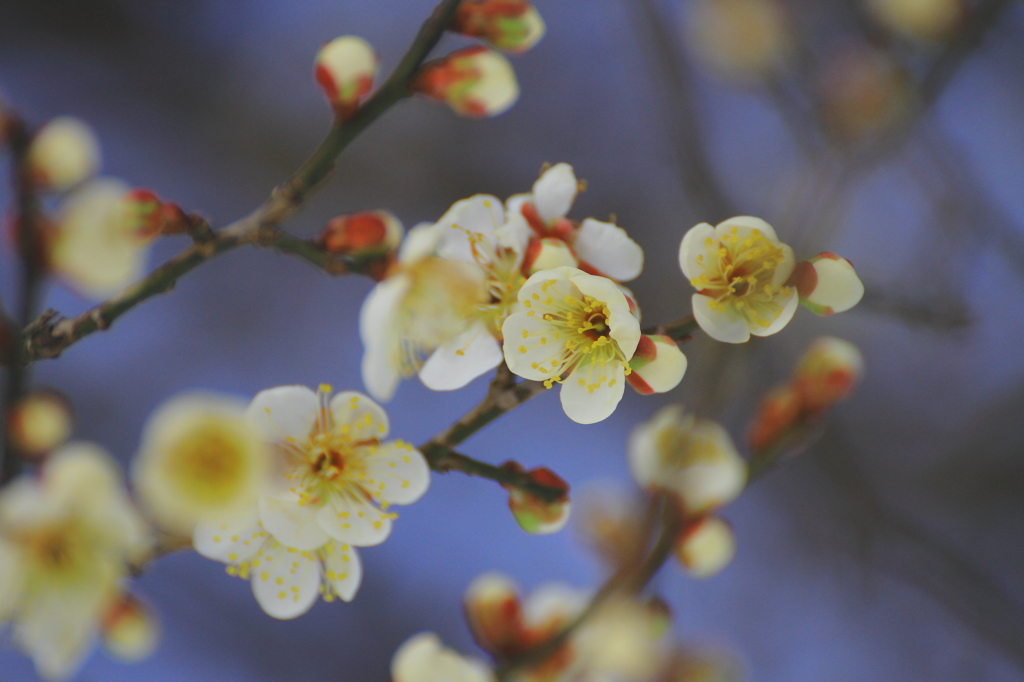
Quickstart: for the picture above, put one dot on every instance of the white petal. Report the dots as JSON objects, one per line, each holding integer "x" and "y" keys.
{"x": 464, "y": 358}
{"x": 719, "y": 325}
{"x": 286, "y": 581}
{"x": 554, "y": 192}
{"x": 354, "y": 521}
{"x": 600, "y": 288}
{"x": 784, "y": 269}
{"x": 420, "y": 242}
{"x": 480, "y": 214}
{"x": 284, "y": 413}
{"x": 379, "y": 333}
{"x": 838, "y": 286}
{"x": 57, "y": 627}
{"x": 398, "y": 473}
{"x": 695, "y": 244}
{"x": 342, "y": 569}
{"x": 380, "y": 375}
{"x": 586, "y": 399}
{"x": 514, "y": 234}
{"x": 422, "y": 658}
{"x": 229, "y": 541}
{"x": 788, "y": 309}
{"x": 746, "y": 223}
{"x": 609, "y": 249}
{"x": 529, "y": 357}
{"x": 296, "y": 525}
{"x": 514, "y": 205}
{"x": 364, "y": 418}
{"x": 647, "y": 442}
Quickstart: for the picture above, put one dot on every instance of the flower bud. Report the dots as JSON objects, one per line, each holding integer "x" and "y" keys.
{"x": 657, "y": 365}
{"x": 39, "y": 422}
{"x": 345, "y": 68}
{"x": 777, "y": 413}
{"x": 147, "y": 216}
{"x": 366, "y": 234}
{"x": 130, "y": 629}
{"x": 63, "y": 153}
{"x": 827, "y": 284}
{"x": 705, "y": 547}
{"x": 827, "y": 373}
{"x": 475, "y": 82}
{"x": 533, "y": 514}
{"x": 510, "y": 25}
{"x": 546, "y": 254}
{"x": 741, "y": 39}
{"x": 926, "y": 20}
{"x": 494, "y": 613}
{"x": 865, "y": 92}
{"x": 609, "y": 520}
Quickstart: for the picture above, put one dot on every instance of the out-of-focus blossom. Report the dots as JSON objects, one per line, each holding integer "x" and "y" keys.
{"x": 658, "y": 365}
{"x": 621, "y": 641}
{"x": 533, "y": 514}
{"x": 778, "y": 411}
{"x": 130, "y": 629}
{"x": 345, "y": 69}
{"x": 705, "y": 546}
{"x": 424, "y": 303}
{"x": 926, "y": 20}
{"x": 363, "y": 235}
{"x": 338, "y": 479}
{"x": 476, "y": 82}
{"x": 739, "y": 268}
{"x": 66, "y": 538}
{"x": 97, "y": 244}
{"x": 688, "y": 664}
{"x": 596, "y": 247}
{"x": 285, "y": 580}
{"x": 746, "y": 40}
{"x": 827, "y": 284}
{"x": 39, "y": 422}
{"x": 64, "y": 153}
{"x": 610, "y": 521}
{"x": 692, "y": 458}
{"x": 579, "y": 325}
{"x": 509, "y": 25}
{"x": 422, "y": 658}
{"x": 199, "y": 459}
{"x": 864, "y": 92}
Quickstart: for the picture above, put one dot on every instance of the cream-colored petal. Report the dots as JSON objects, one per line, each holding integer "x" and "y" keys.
{"x": 624, "y": 328}
{"x": 464, "y": 358}
{"x": 422, "y": 658}
{"x": 531, "y": 348}
{"x": 554, "y": 192}
{"x": 514, "y": 205}
{"x": 666, "y": 370}
{"x": 694, "y": 245}
{"x": 378, "y": 329}
{"x": 591, "y": 392}
{"x": 363, "y": 417}
{"x": 608, "y": 248}
{"x": 746, "y": 224}
{"x": 294, "y": 524}
{"x": 784, "y": 269}
{"x": 380, "y": 374}
{"x": 480, "y": 216}
{"x": 398, "y": 473}
{"x": 420, "y": 242}
{"x": 514, "y": 234}
{"x": 342, "y": 569}
{"x": 284, "y": 414}
{"x": 722, "y": 326}
{"x": 645, "y": 445}
{"x": 788, "y": 310}
{"x": 838, "y": 286}
{"x": 353, "y": 520}
{"x": 286, "y": 581}
{"x": 232, "y": 542}
{"x": 11, "y": 579}
{"x": 600, "y": 288}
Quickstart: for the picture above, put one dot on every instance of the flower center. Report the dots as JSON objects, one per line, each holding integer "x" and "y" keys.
{"x": 504, "y": 280}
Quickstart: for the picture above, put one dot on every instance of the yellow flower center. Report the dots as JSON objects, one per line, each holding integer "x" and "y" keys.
{"x": 211, "y": 462}
{"x": 504, "y": 280}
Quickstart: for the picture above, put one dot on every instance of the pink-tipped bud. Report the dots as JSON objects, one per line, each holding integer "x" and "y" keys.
{"x": 39, "y": 422}
{"x": 475, "y": 82}
{"x": 657, "y": 365}
{"x": 130, "y": 629}
{"x": 777, "y": 413}
{"x": 345, "y": 68}
{"x": 366, "y": 234}
{"x": 827, "y": 373}
{"x": 534, "y": 515}
{"x": 547, "y": 253}
{"x": 706, "y": 546}
{"x": 510, "y": 25}
{"x": 494, "y": 614}
{"x": 827, "y": 284}
{"x": 64, "y": 153}
{"x": 147, "y": 216}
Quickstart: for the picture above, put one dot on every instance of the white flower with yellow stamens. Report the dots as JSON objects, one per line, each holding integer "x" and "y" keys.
{"x": 285, "y": 580}
{"x": 66, "y": 537}
{"x": 739, "y": 268}
{"x": 575, "y": 324}
{"x": 337, "y": 478}
{"x": 423, "y": 304}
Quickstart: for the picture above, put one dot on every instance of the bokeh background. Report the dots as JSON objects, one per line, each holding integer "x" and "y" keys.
{"x": 891, "y": 550}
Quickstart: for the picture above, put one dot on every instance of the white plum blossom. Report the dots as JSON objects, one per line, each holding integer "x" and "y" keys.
{"x": 422, "y": 658}
{"x": 740, "y": 269}
{"x": 577, "y": 325}
{"x": 64, "y": 153}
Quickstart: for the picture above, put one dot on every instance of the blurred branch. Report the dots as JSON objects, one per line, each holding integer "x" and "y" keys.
{"x": 939, "y": 314}
{"x": 49, "y": 335}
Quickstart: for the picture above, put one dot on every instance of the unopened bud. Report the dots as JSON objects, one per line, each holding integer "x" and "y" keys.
{"x": 533, "y": 514}
{"x": 827, "y": 284}
{"x": 369, "y": 233}
{"x": 547, "y": 253}
{"x": 510, "y": 25}
{"x": 63, "y": 153}
{"x": 657, "y": 365}
{"x": 927, "y": 20}
{"x": 827, "y": 372}
{"x": 130, "y": 629}
{"x": 345, "y": 68}
{"x": 741, "y": 39}
{"x": 777, "y": 413}
{"x": 706, "y": 546}
{"x": 475, "y": 82}
{"x": 147, "y": 216}
{"x": 494, "y": 613}
{"x": 39, "y": 422}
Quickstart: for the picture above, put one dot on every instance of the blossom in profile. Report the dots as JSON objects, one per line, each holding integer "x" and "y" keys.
{"x": 692, "y": 458}
{"x": 422, "y": 304}
{"x": 97, "y": 245}
{"x": 658, "y": 365}
{"x": 345, "y": 69}
{"x": 705, "y": 547}
{"x": 422, "y": 658}
{"x": 577, "y": 325}
{"x": 509, "y": 25}
{"x": 740, "y": 269}
{"x": 745, "y": 40}
{"x": 199, "y": 459}
{"x": 64, "y": 153}
{"x": 130, "y": 629}
{"x": 827, "y": 284}
{"x": 39, "y": 422}
{"x": 66, "y": 538}
{"x": 924, "y": 20}
{"x": 338, "y": 477}
{"x": 286, "y": 581}
{"x": 475, "y": 82}
{"x": 594, "y": 246}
